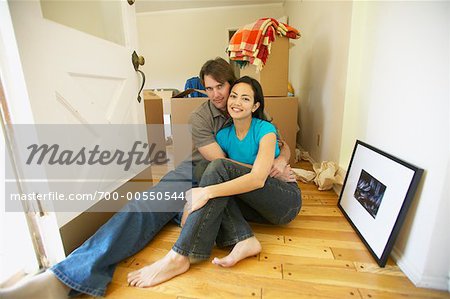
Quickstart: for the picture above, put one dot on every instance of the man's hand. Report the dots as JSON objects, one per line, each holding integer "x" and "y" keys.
{"x": 287, "y": 175}
{"x": 278, "y": 167}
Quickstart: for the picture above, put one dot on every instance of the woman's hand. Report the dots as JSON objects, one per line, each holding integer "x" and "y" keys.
{"x": 186, "y": 213}
{"x": 197, "y": 198}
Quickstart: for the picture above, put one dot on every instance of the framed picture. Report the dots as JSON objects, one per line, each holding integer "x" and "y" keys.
{"x": 377, "y": 192}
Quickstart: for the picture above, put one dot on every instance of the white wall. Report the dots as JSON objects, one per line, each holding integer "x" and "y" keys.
{"x": 175, "y": 43}
{"x": 404, "y": 97}
{"x": 379, "y": 72}
{"x": 318, "y": 70}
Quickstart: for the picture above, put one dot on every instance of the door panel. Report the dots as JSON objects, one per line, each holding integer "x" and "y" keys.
{"x": 99, "y": 18}
{"x": 74, "y": 77}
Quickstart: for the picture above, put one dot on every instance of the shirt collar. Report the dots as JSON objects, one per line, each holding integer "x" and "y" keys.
{"x": 216, "y": 112}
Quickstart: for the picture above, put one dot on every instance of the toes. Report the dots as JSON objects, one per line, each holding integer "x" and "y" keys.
{"x": 134, "y": 281}
{"x": 142, "y": 284}
{"x": 131, "y": 283}
{"x": 132, "y": 277}
{"x": 223, "y": 262}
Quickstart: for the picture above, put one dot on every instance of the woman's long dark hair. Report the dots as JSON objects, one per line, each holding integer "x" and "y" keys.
{"x": 257, "y": 95}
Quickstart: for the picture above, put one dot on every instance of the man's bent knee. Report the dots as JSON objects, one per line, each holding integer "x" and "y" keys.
{"x": 215, "y": 166}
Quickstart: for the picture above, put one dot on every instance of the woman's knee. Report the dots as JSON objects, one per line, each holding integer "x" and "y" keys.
{"x": 289, "y": 216}
{"x": 213, "y": 173}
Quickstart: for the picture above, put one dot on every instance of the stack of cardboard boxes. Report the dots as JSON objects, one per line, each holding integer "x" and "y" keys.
{"x": 274, "y": 76}
{"x": 274, "y": 81}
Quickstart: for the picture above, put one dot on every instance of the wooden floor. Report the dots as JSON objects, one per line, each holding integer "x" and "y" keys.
{"x": 318, "y": 255}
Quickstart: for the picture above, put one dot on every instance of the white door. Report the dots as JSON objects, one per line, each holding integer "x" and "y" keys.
{"x": 76, "y": 60}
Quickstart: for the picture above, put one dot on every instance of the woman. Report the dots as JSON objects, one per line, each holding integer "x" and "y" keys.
{"x": 228, "y": 192}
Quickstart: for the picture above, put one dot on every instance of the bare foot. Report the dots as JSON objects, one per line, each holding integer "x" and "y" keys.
{"x": 44, "y": 285}
{"x": 168, "y": 267}
{"x": 241, "y": 250}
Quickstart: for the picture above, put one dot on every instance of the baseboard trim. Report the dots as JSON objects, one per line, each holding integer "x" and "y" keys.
{"x": 432, "y": 282}
{"x": 417, "y": 278}
{"x": 407, "y": 267}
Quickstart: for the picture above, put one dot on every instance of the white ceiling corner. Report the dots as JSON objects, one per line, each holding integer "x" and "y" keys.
{"x": 163, "y": 5}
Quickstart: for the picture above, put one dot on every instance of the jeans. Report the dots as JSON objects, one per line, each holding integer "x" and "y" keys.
{"x": 89, "y": 268}
{"x": 222, "y": 221}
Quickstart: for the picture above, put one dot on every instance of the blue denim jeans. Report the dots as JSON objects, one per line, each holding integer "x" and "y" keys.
{"x": 224, "y": 219}
{"x": 89, "y": 268}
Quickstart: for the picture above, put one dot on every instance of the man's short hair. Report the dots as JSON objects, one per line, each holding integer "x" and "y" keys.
{"x": 219, "y": 69}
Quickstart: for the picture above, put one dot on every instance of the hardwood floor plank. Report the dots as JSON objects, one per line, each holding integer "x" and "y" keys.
{"x": 306, "y": 233}
{"x": 321, "y": 224}
{"x": 319, "y": 195}
{"x": 127, "y": 262}
{"x": 283, "y": 285}
{"x": 157, "y": 244}
{"x": 349, "y": 254}
{"x": 374, "y": 294}
{"x": 268, "y": 238}
{"x": 320, "y": 211}
{"x": 394, "y": 284}
{"x": 374, "y": 268}
{"x": 249, "y": 267}
{"x": 304, "y": 251}
{"x": 306, "y": 201}
{"x": 170, "y": 233}
{"x": 308, "y": 187}
{"x": 306, "y": 261}
{"x": 192, "y": 286}
{"x": 268, "y": 293}
{"x": 331, "y": 219}
{"x": 294, "y": 241}
{"x": 330, "y": 202}
{"x": 116, "y": 291}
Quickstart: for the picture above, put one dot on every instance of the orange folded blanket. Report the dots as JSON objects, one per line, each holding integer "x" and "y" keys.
{"x": 252, "y": 43}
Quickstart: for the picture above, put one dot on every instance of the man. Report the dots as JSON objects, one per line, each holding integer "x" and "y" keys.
{"x": 89, "y": 269}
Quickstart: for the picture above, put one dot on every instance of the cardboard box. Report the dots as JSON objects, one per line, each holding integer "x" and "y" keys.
{"x": 283, "y": 110}
{"x": 166, "y": 96}
{"x": 274, "y": 76}
{"x": 153, "y": 106}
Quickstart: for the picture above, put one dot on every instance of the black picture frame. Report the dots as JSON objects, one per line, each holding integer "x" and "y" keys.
{"x": 377, "y": 193}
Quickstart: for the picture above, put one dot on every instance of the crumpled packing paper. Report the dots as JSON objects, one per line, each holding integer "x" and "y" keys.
{"x": 325, "y": 174}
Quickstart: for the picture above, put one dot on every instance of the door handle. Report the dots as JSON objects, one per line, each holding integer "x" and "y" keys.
{"x": 137, "y": 61}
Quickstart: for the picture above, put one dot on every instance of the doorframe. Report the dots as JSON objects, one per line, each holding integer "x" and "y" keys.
{"x": 19, "y": 111}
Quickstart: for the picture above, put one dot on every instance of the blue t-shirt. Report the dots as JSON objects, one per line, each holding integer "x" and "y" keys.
{"x": 245, "y": 150}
